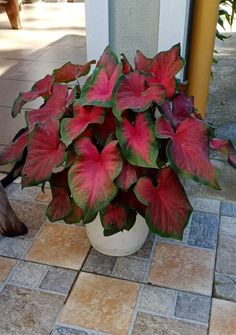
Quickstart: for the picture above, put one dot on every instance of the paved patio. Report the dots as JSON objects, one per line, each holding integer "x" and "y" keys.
{"x": 53, "y": 282}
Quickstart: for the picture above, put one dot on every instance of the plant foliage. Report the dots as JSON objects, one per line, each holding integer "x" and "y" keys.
{"x": 118, "y": 145}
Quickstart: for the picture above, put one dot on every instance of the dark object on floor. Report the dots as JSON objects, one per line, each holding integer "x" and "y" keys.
{"x": 10, "y": 225}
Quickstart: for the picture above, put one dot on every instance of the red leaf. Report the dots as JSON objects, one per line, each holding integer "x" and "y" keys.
{"x": 83, "y": 116}
{"x": 220, "y": 144}
{"x": 91, "y": 176}
{"x": 164, "y": 66}
{"x": 109, "y": 61}
{"x": 127, "y": 177}
{"x": 54, "y": 107}
{"x": 126, "y": 67}
{"x": 60, "y": 206}
{"x": 137, "y": 140}
{"x": 141, "y": 62}
{"x": 133, "y": 93}
{"x": 164, "y": 129}
{"x": 14, "y": 150}
{"x": 75, "y": 214}
{"x": 70, "y": 72}
{"x": 41, "y": 88}
{"x": 168, "y": 209}
{"x": 188, "y": 152}
{"x": 99, "y": 87}
{"x": 45, "y": 152}
{"x": 182, "y": 107}
{"x": 108, "y": 128}
{"x": 116, "y": 218}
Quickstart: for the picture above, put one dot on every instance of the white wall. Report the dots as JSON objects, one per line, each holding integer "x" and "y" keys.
{"x": 173, "y": 24}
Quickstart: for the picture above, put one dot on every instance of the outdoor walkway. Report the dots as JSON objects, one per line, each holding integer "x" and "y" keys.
{"x": 53, "y": 282}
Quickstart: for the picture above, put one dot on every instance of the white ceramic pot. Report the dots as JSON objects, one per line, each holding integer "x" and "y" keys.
{"x": 121, "y": 244}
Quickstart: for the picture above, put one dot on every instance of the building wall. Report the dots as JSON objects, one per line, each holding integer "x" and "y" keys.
{"x": 133, "y": 24}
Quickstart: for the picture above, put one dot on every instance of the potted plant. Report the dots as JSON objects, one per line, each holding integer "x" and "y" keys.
{"x": 116, "y": 147}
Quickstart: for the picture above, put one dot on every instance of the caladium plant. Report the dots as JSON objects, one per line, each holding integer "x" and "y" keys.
{"x": 121, "y": 143}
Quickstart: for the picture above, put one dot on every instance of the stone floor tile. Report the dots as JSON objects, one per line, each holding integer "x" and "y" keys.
{"x": 27, "y": 312}
{"x": 226, "y": 254}
{"x": 60, "y": 245}
{"x": 222, "y": 321}
{"x": 27, "y": 274}
{"x": 99, "y": 263}
{"x": 228, "y": 225}
{"x": 146, "y": 324}
{"x": 228, "y": 208}
{"x": 45, "y": 196}
{"x": 204, "y": 230}
{"x": 225, "y": 287}
{"x": 58, "y": 280}
{"x": 146, "y": 250}
{"x": 104, "y": 304}
{"x": 157, "y": 300}
{"x": 32, "y": 214}
{"x": 14, "y": 191}
{"x": 59, "y": 330}
{"x": 6, "y": 265}
{"x": 193, "y": 307}
{"x": 205, "y": 205}
{"x": 184, "y": 268}
{"x": 14, "y": 247}
{"x": 130, "y": 268}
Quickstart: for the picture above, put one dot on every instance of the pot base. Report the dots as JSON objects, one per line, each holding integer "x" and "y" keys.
{"x": 120, "y": 244}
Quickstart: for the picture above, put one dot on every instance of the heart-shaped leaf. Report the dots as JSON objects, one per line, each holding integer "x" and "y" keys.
{"x": 141, "y": 61}
{"x": 60, "y": 205}
{"x": 127, "y": 177}
{"x": 83, "y": 116}
{"x": 70, "y": 72}
{"x": 45, "y": 152}
{"x": 109, "y": 61}
{"x": 54, "y": 107}
{"x": 99, "y": 87}
{"x": 116, "y": 217}
{"x": 91, "y": 176}
{"x": 188, "y": 152}
{"x": 14, "y": 150}
{"x": 137, "y": 140}
{"x": 168, "y": 209}
{"x": 133, "y": 93}
{"x": 164, "y": 66}
{"x": 41, "y": 88}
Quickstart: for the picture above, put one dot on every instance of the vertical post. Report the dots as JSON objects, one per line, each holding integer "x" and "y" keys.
{"x": 97, "y": 27}
{"x": 205, "y": 15}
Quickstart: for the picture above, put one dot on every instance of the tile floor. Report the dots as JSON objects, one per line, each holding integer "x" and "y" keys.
{"x": 52, "y": 281}
{"x": 168, "y": 287}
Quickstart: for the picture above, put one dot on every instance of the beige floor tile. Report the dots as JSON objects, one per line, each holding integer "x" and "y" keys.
{"x": 8, "y": 66}
{"x": 101, "y": 303}
{"x": 60, "y": 245}
{"x": 9, "y": 126}
{"x": 35, "y": 70}
{"x": 6, "y": 264}
{"x": 45, "y": 196}
{"x": 223, "y": 318}
{"x": 10, "y": 89}
{"x": 73, "y": 54}
{"x": 184, "y": 268}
